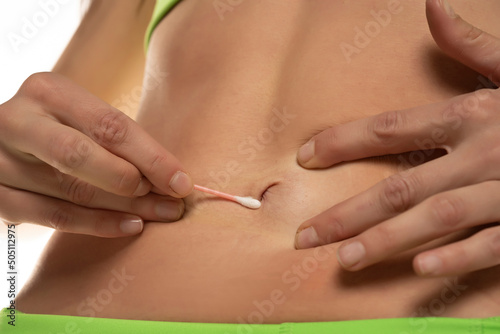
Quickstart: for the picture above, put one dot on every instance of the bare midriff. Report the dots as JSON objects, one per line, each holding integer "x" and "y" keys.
{"x": 233, "y": 95}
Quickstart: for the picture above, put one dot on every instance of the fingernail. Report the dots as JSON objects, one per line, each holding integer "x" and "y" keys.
{"x": 447, "y": 7}
{"x": 169, "y": 210}
{"x": 181, "y": 184}
{"x": 307, "y": 238}
{"x": 351, "y": 253}
{"x": 131, "y": 226}
{"x": 143, "y": 187}
{"x": 306, "y": 152}
{"x": 429, "y": 265}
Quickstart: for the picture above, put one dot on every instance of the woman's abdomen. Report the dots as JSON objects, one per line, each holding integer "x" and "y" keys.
{"x": 239, "y": 97}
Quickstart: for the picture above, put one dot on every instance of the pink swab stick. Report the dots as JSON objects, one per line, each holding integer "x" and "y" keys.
{"x": 248, "y": 202}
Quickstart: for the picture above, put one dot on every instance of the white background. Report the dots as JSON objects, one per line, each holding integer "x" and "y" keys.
{"x": 54, "y": 23}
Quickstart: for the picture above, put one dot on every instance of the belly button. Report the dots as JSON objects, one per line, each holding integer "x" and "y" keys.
{"x": 263, "y": 195}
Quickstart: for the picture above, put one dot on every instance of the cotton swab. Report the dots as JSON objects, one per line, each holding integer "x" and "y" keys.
{"x": 248, "y": 202}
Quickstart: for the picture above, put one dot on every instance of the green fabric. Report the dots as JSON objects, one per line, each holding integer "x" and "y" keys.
{"x": 162, "y": 8}
{"x": 39, "y": 323}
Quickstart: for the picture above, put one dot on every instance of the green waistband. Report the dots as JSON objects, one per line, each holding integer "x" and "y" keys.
{"x": 39, "y": 323}
{"x": 162, "y": 8}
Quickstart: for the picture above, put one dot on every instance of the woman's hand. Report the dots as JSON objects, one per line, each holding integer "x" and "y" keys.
{"x": 457, "y": 191}
{"x": 70, "y": 161}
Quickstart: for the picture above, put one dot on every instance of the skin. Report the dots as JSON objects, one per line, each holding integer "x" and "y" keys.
{"x": 91, "y": 169}
{"x": 215, "y": 111}
{"x": 455, "y": 192}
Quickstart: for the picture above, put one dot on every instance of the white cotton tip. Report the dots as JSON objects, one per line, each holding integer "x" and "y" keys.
{"x": 248, "y": 202}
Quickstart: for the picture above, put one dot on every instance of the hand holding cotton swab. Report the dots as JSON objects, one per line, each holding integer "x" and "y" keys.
{"x": 247, "y": 202}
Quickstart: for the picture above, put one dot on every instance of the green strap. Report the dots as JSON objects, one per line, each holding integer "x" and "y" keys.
{"x": 162, "y": 7}
{"x": 59, "y": 324}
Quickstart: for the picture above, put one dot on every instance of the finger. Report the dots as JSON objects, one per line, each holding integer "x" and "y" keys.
{"x": 420, "y": 128}
{"x": 44, "y": 179}
{"x": 480, "y": 251}
{"x": 386, "y": 199}
{"x": 71, "y": 152}
{"x": 67, "y": 149}
{"x": 149, "y": 207}
{"x": 462, "y": 41}
{"x": 19, "y": 206}
{"x": 116, "y": 132}
{"x": 437, "y": 216}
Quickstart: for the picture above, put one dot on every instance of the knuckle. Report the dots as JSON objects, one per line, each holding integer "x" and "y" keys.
{"x": 60, "y": 219}
{"x": 479, "y": 107}
{"x": 79, "y": 192}
{"x": 385, "y": 127}
{"x": 40, "y": 85}
{"x": 448, "y": 210}
{"x": 336, "y": 230}
{"x": 69, "y": 153}
{"x": 488, "y": 96}
{"x": 156, "y": 162}
{"x": 473, "y": 34}
{"x": 398, "y": 193}
{"x": 488, "y": 102}
{"x": 128, "y": 181}
{"x": 111, "y": 129}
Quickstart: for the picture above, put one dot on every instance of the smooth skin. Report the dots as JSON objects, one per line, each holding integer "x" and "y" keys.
{"x": 68, "y": 158}
{"x": 458, "y": 191}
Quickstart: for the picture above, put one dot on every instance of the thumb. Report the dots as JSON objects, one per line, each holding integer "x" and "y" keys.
{"x": 464, "y": 42}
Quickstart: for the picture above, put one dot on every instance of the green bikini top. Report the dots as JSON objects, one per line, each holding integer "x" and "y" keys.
{"x": 162, "y": 8}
